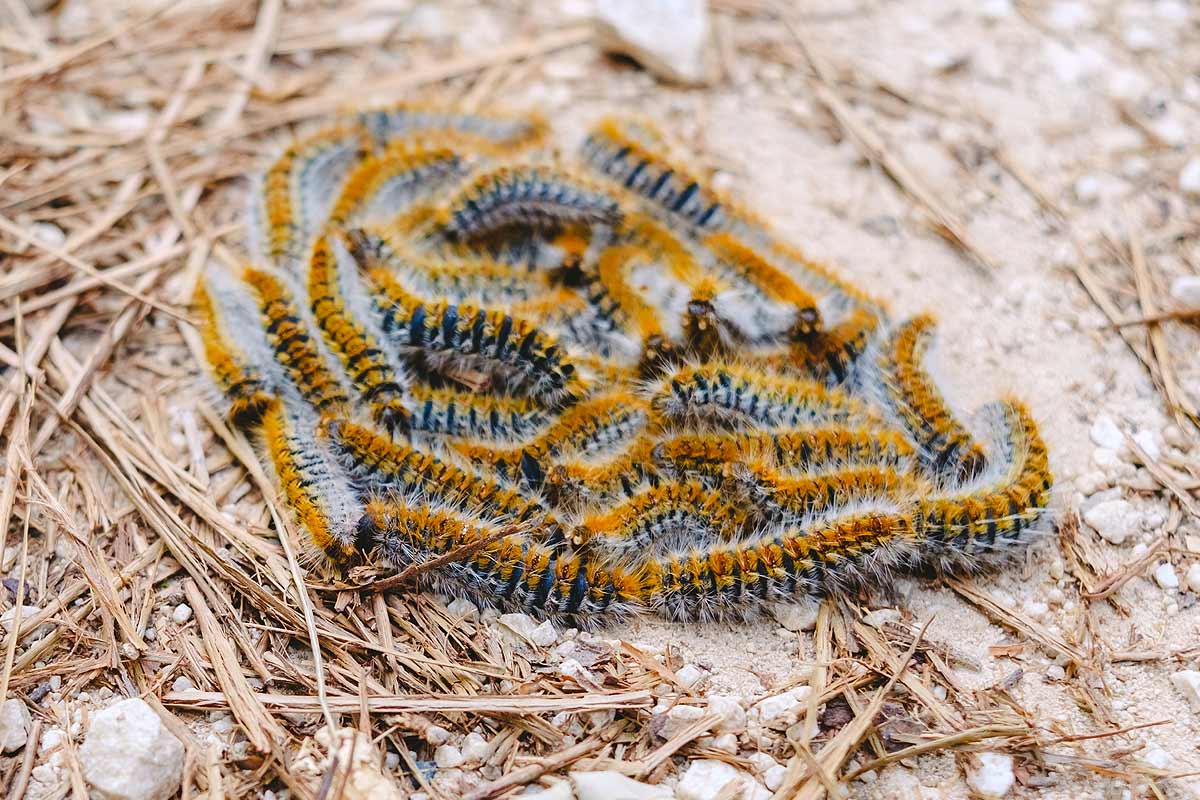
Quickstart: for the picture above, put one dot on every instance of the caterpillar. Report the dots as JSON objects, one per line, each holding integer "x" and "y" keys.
{"x": 457, "y": 413}
{"x": 509, "y": 571}
{"x": 239, "y": 368}
{"x": 295, "y": 350}
{"x": 770, "y": 280}
{"x": 779, "y": 497}
{"x": 297, "y": 191}
{"x": 946, "y": 447}
{"x": 533, "y": 197}
{"x": 831, "y": 355}
{"x": 383, "y": 185}
{"x": 732, "y": 395}
{"x": 331, "y": 285}
{"x": 491, "y": 133}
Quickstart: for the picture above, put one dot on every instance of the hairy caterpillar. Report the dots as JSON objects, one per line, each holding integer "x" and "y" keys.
{"x": 491, "y": 133}
{"x": 238, "y": 364}
{"x": 383, "y": 185}
{"x": 462, "y": 413}
{"x": 946, "y": 446}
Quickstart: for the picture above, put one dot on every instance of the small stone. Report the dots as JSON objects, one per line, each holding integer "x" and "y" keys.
{"x": 1112, "y": 519}
{"x": 559, "y": 791}
{"x": 27, "y": 612}
{"x": 1087, "y": 189}
{"x": 1172, "y": 434}
{"x": 130, "y": 755}
{"x": 1055, "y": 673}
{"x": 544, "y": 635}
{"x": 1187, "y": 681}
{"x": 519, "y": 627}
{"x": 726, "y": 742}
{"x": 667, "y": 37}
{"x": 993, "y": 10}
{"x": 14, "y": 725}
{"x": 181, "y": 614}
{"x": 447, "y": 757}
{"x": 689, "y": 675}
{"x": 780, "y": 711}
{"x": 679, "y": 718}
{"x": 48, "y": 233}
{"x": 182, "y": 684}
{"x": 359, "y": 766}
{"x": 994, "y": 776}
{"x": 1192, "y": 579}
{"x": 475, "y": 749}
{"x": 608, "y": 785}
{"x": 729, "y": 709}
{"x": 880, "y": 616}
{"x": 773, "y": 777}
{"x": 1036, "y": 608}
{"x": 1139, "y": 39}
{"x": 1165, "y": 577}
{"x": 796, "y": 617}
{"x": 1149, "y": 444}
{"x": 1070, "y": 16}
{"x": 1105, "y": 433}
{"x": 706, "y": 779}
{"x": 463, "y": 608}
{"x": 1185, "y": 290}
{"x": 436, "y": 735}
{"x": 1157, "y": 757}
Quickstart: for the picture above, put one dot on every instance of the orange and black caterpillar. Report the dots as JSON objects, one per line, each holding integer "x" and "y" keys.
{"x": 627, "y": 392}
{"x": 946, "y": 447}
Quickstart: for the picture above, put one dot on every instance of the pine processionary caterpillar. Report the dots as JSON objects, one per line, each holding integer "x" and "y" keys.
{"x": 465, "y": 414}
{"x": 383, "y": 185}
{"x": 769, "y": 279}
{"x": 243, "y": 385}
{"x": 489, "y": 133}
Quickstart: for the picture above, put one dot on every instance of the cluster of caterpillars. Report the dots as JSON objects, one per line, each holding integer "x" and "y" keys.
{"x": 606, "y": 386}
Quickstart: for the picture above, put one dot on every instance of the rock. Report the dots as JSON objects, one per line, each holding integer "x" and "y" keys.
{"x": 519, "y": 627}
{"x": 880, "y": 616}
{"x": 608, "y": 785}
{"x": 780, "y": 711}
{"x": 1186, "y": 290}
{"x": 994, "y": 776}
{"x": 1149, "y": 444}
{"x": 994, "y": 10}
{"x": 181, "y": 614}
{"x": 436, "y": 735}
{"x": 130, "y": 755}
{"x": 1157, "y": 757}
{"x": 461, "y": 607}
{"x": 27, "y": 612}
{"x": 1139, "y": 39}
{"x": 795, "y": 617}
{"x": 1055, "y": 673}
{"x": 773, "y": 777}
{"x": 1105, "y": 433}
{"x": 729, "y": 708}
{"x": 1088, "y": 188}
{"x": 544, "y": 635}
{"x": 1192, "y": 579}
{"x": 475, "y": 749}
{"x": 726, "y": 742}
{"x": 1112, "y": 519}
{"x": 14, "y": 725}
{"x": 559, "y": 791}
{"x": 1187, "y": 681}
{"x": 1165, "y": 577}
{"x": 705, "y": 779}
{"x": 1070, "y": 16}
{"x": 447, "y": 756}
{"x": 365, "y": 780}
{"x": 182, "y": 684}
{"x": 667, "y": 37}
{"x": 48, "y": 233}
{"x": 689, "y": 675}
{"x": 678, "y": 718}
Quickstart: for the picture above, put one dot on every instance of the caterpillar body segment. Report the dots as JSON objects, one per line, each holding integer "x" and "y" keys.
{"x": 730, "y": 395}
{"x": 332, "y": 287}
{"x": 291, "y": 336}
{"x": 490, "y": 133}
{"x": 769, "y": 279}
{"x": 448, "y": 412}
{"x": 947, "y": 449}
{"x": 532, "y": 197}
{"x": 993, "y": 518}
{"x": 316, "y": 489}
{"x": 778, "y": 497}
{"x": 832, "y": 355}
{"x": 240, "y": 365}
{"x": 294, "y": 196}
{"x": 385, "y": 184}
{"x": 577, "y": 484}
{"x": 506, "y": 570}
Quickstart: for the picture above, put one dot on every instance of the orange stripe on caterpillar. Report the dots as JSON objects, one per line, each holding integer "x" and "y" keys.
{"x": 461, "y": 413}
{"x": 489, "y": 133}
{"x": 768, "y": 278}
{"x": 831, "y": 355}
{"x": 367, "y": 366}
{"x": 947, "y": 448}
{"x": 390, "y": 180}
{"x": 243, "y": 386}
{"x": 295, "y": 350}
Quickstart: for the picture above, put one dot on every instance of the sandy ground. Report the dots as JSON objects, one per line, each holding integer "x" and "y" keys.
{"x": 1003, "y": 113}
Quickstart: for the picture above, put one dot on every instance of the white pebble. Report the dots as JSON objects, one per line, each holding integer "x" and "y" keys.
{"x": 518, "y": 627}
{"x": 14, "y": 725}
{"x": 463, "y": 608}
{"x": 706, "y": 779}
{"x": 795, "y": 617}
{"x": 1187, "y": 681}
{"x": 48, "y": 233}
{"x": 182, "y": 684}
{"x": 780, "y": 711}
{"x": 667, "y": 37}
{"x": 1139, "y": 39}
{"x": 679, "y": 718}
{"x": 544, "y": 635}
{"x": 773, "y": 777}
{"x": 447, "y": 757}
{"x": 1112, "y": 519}
{"x": 475, "y": 749}
{"x": 689, "y": 675}
{"x": 994, "y": 776}
{"x": 1157, "y": 757}
{"x": 1055, "y": 673}
{"x": 1105, "y": 433}
{"x": 994, "y": 10}
{"x": 880, "y": 616}
{"x": 1165, "y": 577}
{"x": 436, "y": 735}
{"x": 130, "y": 754}
{"x": 726, "y": 742}
{"x": 1185, "y": 290}
{"x": 1087, "y": 189}
{"x": 608, "y": 785}
{"x": 1070, "y": 16}
{"x": 181, "y": 613}
{"x": 1192, "y": 579}
{"x": 729, "y": 709}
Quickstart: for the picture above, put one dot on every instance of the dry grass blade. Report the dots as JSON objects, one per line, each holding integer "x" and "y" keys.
{"x": 1015, "y": 621}
{"x": 399, "y": 704}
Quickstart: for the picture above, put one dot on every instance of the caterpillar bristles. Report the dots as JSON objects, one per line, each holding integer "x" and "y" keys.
{"x": 589, "y": 393}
